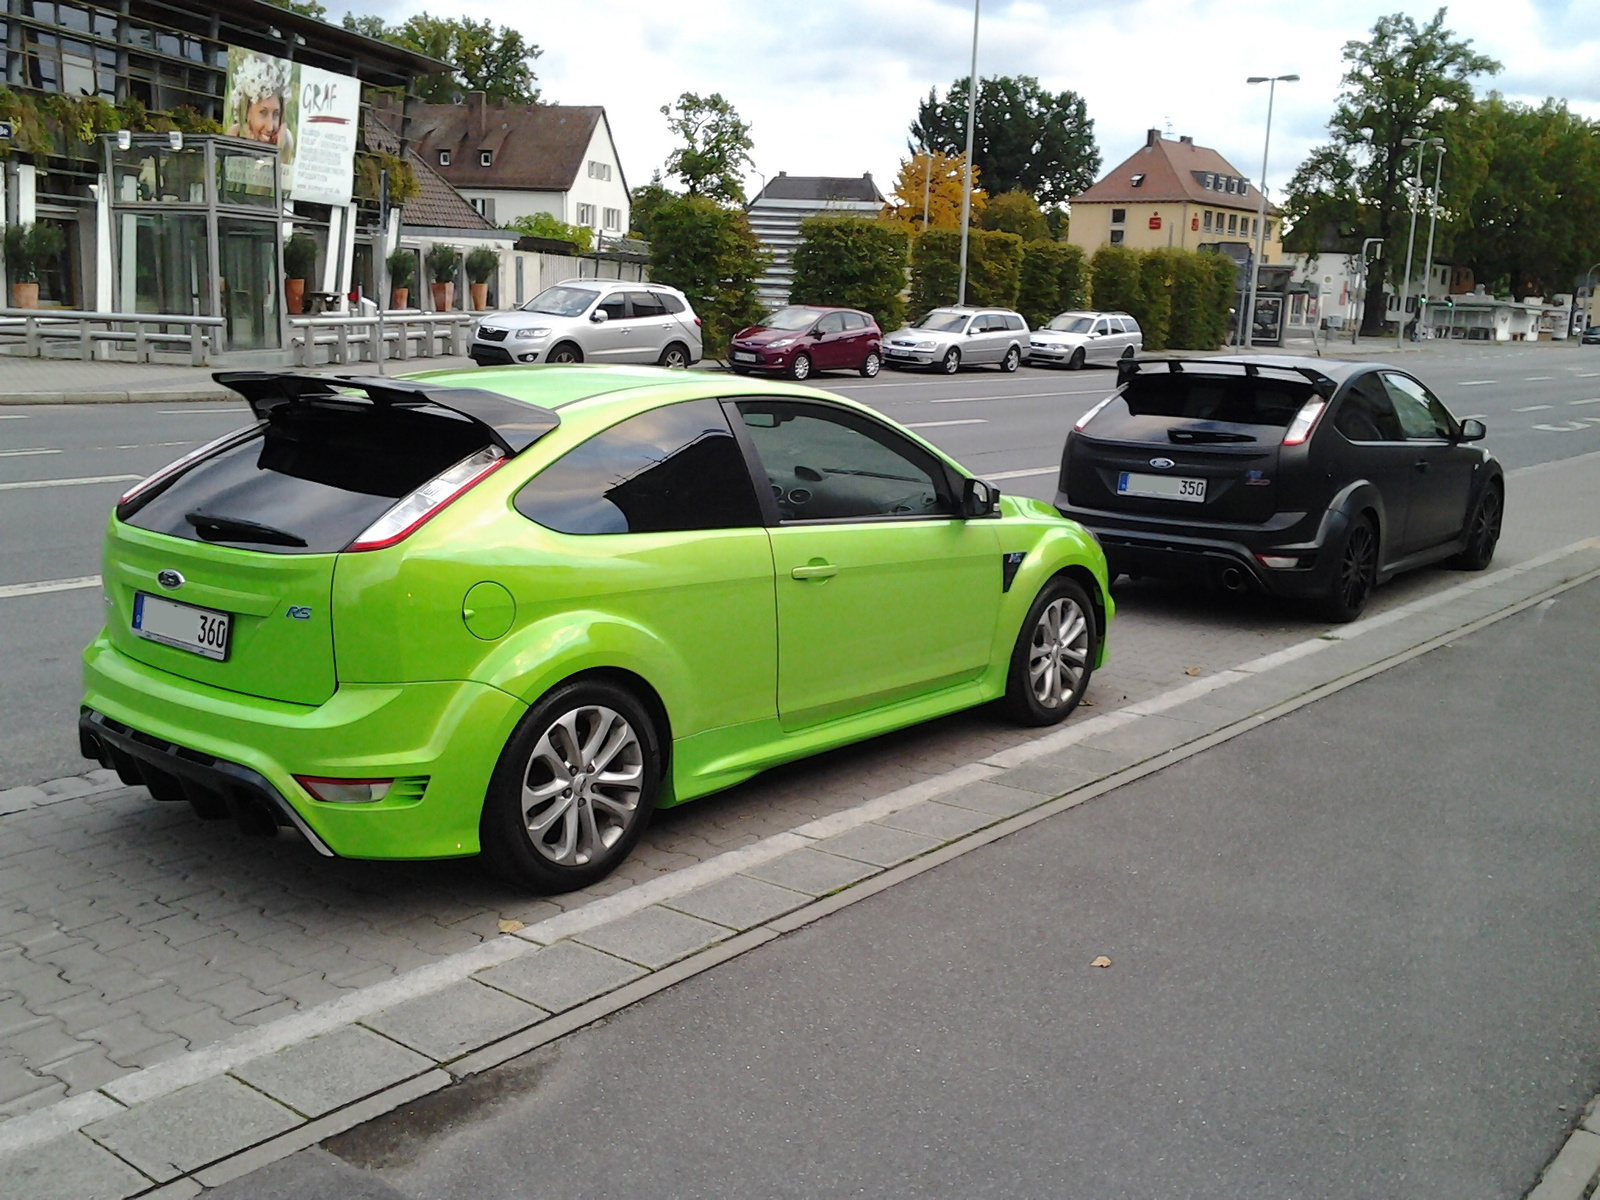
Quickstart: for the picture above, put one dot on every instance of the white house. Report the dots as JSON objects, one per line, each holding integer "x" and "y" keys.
{"x": 515, "y": 160}
{"x": 786, "y": 200}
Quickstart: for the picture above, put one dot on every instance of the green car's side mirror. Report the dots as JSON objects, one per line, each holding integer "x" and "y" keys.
{"x": 979, "y": 498}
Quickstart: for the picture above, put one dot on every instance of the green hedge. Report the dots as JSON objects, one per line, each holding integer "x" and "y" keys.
{"x": 994, "y": 269}
{"x": 708, "y": 253}
{"x": 1179, "y": 297}
{"x": 1202, "y": 293}
{"x": 1051, "y": 280}
{"x": 855, "y": 262}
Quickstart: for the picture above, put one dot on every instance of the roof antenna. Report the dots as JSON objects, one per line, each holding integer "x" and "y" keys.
{"x": 1169, "y": 126}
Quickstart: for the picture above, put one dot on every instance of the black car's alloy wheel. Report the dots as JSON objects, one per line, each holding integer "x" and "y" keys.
{"x": 1483, "y": 531}
{"x": 1054, "y": 655}
{"x": 574, "y": 788}
{"x": 800, "y": 368}
{"x": 951, "y": 363}
{"x": 1356, "y": 574}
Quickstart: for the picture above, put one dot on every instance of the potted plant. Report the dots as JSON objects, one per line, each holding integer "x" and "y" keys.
{"x": 299, "y": 258}
{"x": 443, "y": 262}
{"x": 28, "y": 248}
{"x": 402, "y": 273}
{"x": 482, "y": 265}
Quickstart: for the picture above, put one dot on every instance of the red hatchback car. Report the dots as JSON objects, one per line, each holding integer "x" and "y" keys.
{"x": 802, "y": 339}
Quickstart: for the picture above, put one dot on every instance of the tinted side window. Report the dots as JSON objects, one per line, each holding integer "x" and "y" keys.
{"x": 668, "y": 301}
{"x": 674, "y": 468}
{"x": 615, "y": 306}
{"x": 854, "y": 321}
{"x": 646, "y": 304}
{"x": 1102, "y": 326}
{"x": 1421, "y": 415}
{"x": 1013, "y": 322}
{"x": 828, "y": 464}
{"x": 1366, "y": 413}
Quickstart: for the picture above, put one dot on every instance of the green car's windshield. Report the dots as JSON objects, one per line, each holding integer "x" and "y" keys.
{"x": 942, "y": 322}
{"x": 562, "y": 301}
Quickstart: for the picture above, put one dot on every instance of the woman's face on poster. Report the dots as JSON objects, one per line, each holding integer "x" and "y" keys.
{"x": 264, "y": 119}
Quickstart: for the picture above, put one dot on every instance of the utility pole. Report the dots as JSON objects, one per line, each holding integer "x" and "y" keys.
{"x": 1411, "y": 245}
{"x": 1433, "y": 218}
{"x": 1249, "y": 320}
{"x": 966, "y": 183}
{"x": 927, "y": 184}
{"x": 381, "y": 267}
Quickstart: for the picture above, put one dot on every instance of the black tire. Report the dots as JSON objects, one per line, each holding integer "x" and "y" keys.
{"x": 871, "y": 364}
{"x": 1127, "y": 352}
{"x": 951, "y": 362}
{"x": 1011, "y": 361}
{"x": 1355, "y": 573}
{"x": 565, "y": 352}
{"x": 1075, "y": 363}
{"x": 675, "y": 357}
{"x": 800, "y": 367}
{"x": 739, "y": 370}
{"x": 1044, "y": 701}
{"x": 1482, "y": 530}
{"x": 581, "y": 852}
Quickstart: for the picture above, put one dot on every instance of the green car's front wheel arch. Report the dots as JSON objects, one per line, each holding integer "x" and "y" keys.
{"x": 575, "y": 786}
{"x": 1054, "y": 655}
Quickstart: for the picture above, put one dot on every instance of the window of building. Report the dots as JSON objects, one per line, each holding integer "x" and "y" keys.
{"x": 485, "y": 158}
{"x": 1205, "y": 223}
{"x": 484, "y": 206}
{"x": 599, "y": 170}
{"x": 444, "y": 158}
{"x": 586, "y": 214}
{"x": 613, "y": 218}
{"x": 1116, "y": 237}
{"x": 1211, "y": 182}
{"x": 1119, "y": 216}
{"x": 1268, "y": 228}
{"x": 670, "y": 469}
{"x": 1244, "y": 187}
{"x": 1255, "y": 226}
{"x": 1233, "y": 222}
{"x": 1138, "y": 181}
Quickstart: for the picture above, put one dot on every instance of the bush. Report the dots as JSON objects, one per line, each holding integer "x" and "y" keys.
{"x": 708, "y": 253}
{"x": 1049, "y": 282}
{"x": 543, "y": 225}
{"x": 1114, "y": 279}
{"x": 442, "y": 262}
{"x": 1158, "y": 271}
{"x": 994, "y": 269}
{"x": 1074, "y": 279}
{"x": 854, "y": 262}
{"x": 1015, "y": 212}
{"x": 30, "y": 247}
{"x": 299, "y": 256}
{"x": 1179, "y": 297}
{"x": 1201, "y": 296}
{"x": 402, "y": 269}
{"x": 482, "y": 264}
{"x": 935, "y": 269}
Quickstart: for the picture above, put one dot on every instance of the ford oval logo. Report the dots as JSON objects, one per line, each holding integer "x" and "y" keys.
{"x": 1162, "y": 464}
{"x": 169, "y": 578}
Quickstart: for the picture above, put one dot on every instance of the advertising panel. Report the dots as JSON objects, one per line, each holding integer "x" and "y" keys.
{"x": 309, "y": 114}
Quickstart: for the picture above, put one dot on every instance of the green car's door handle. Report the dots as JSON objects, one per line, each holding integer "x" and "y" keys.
{"x": 814, "y": 571}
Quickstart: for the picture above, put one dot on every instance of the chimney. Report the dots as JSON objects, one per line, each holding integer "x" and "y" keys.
{"x": 1186, "y": 140}
{"x": 477, "y": 117}
{"x": 1151, "y": 138}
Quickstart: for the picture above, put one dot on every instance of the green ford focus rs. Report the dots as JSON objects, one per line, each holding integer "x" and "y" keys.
{"x": 515, "y": 610}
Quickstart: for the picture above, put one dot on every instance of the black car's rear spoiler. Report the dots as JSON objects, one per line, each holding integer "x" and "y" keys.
{"x": 1127, "y": 368}
{"x": 511, "y": 424}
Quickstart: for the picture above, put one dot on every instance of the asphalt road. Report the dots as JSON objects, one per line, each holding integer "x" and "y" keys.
{"x": 1352, "y": 953}
{"x": 61, "y": 468}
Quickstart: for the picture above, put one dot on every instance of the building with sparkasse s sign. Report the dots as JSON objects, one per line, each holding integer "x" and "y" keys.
{"x": 176, "y": 144}
{"x": 1173, "y": 193}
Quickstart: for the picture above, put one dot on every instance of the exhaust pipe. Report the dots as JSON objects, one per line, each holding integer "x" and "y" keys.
{"x": 1233, "y": 579}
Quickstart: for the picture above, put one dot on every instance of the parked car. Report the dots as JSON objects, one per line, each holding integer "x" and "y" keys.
{"x": 593, "y": 320}
{"x": 1074, "y": 339}
{"x": 1302, "y": 477}
{"x": 805, "y": 338}
{"x": 1591, "y": 336}
{"x": 514, "y": 610}
{"x": 951, "y": 338}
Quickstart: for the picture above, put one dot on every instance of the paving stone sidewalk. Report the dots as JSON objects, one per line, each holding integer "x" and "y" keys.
{"x": 358, "y": 1033}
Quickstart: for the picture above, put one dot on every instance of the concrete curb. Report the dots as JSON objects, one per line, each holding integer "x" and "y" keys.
{"x": 118, "y": 396}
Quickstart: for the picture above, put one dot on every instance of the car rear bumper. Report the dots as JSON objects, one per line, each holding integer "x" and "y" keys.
{"x": 439, "y": 741}
{"x": 1230, "y": 556}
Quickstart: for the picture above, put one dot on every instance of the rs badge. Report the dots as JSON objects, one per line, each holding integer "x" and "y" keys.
{"x": 298, "y": 612}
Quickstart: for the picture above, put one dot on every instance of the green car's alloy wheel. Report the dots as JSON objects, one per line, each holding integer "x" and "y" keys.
{"x": 574, "y": 789}
{"x": 1054, "y": 655}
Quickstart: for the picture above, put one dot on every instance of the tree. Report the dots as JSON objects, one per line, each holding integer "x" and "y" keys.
{"x": 1405, "y": 81}
{"x": 943, "y": 174}
{"x": 305, "y": 8}
{"x": 1024, "y": 138}
{"x": 1016, "y": 212}
{"x": 716, "y": 146}
{"x": 855, "y": 262}
{"x": 646, "y": 199}
{"x": 994, "y": 269}
{"x": 498, "y": 64}
{"x": 708, "y": 252}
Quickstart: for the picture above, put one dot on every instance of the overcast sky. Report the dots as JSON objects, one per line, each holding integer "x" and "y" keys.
{"x": 829, "y": 88}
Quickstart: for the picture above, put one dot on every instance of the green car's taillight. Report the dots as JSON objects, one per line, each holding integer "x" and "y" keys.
{"x": 420, "y": 506}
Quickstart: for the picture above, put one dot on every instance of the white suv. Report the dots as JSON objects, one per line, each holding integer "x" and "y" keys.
{"x": 593, "y": 320}
{"x": 1075, "y": 338}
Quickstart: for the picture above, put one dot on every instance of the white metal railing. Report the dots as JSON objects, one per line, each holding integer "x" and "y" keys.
{"x": 35, "y": 328}
{"x": 389, "y": 336}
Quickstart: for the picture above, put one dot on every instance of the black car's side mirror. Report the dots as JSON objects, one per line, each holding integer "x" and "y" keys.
{"x": 1473, "y": 430}
{"x": 979, "y": 498}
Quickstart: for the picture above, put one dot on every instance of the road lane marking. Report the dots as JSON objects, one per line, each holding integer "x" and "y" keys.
{"x": 1021, "y": 474}
{"x": 1536, "y": 378}
{"x": 189, "y": 412}
{"x": 1596, "y": 400}
{"x": 49, "y": 585}
{"x": 936, "y": 424}
{"x": 1589, "y": 375}
{"x": 1475, "y": 382}
{"x": 14, "y": 416}
{"x": 25, "y": 453}
{"x": 1533, "y": 408}
{"x": 1019, "y": 396}
{"x": 27, "y": 484}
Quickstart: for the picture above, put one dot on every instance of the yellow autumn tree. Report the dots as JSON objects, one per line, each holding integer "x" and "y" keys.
{"x": 942, "y": 174}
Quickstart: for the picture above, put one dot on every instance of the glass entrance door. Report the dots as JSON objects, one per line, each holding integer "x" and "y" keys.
{"x": 249, "y": 283}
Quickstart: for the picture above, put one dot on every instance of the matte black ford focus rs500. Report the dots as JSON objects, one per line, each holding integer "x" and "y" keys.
{"x": 1303, "y": 477}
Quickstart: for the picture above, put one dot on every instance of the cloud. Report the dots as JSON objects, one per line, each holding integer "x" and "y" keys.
{"x": 830, "y": 89}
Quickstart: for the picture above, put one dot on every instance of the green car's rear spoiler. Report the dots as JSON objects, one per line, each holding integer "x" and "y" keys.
{"x": 510, "y": 424}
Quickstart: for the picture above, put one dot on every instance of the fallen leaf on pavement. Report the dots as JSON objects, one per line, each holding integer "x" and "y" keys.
{"x": 1102, "y": 961}
{"x": 510, "y": 926}
{"x": 1191, "y": 670}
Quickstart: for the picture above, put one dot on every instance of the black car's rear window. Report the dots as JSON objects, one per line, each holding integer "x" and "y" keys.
{"x": 1235, "y": 399}
{"x": 310, "y": 480}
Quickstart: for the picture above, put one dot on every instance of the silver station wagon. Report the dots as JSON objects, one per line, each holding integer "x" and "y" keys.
{"x": 948, "y": 339}
{"x": 1074, "y": 339}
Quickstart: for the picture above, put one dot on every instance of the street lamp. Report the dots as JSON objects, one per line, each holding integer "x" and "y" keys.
{"x": 1588, "y": 284}
{"x": 1433, "y": 219}
{"x": 1272, "y": 82}
{"x": 966, "y": 182}
{"x": 1411, "y": 244}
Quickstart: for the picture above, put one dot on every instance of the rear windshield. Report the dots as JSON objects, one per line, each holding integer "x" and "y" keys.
{"x": 1234, "y": 399}
{"x": 310, "y": 480}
